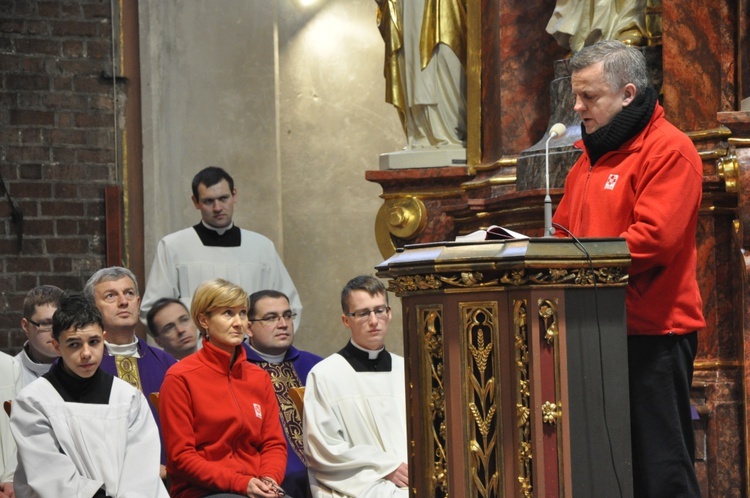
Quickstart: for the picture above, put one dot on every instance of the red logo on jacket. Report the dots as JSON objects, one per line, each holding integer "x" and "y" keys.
{"x": 611, "y": 182}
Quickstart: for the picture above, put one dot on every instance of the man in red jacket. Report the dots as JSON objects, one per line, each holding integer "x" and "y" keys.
{"x": 640, "y": 178}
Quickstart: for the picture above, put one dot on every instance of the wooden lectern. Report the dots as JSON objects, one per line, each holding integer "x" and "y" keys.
{"x": 517, "y": 380}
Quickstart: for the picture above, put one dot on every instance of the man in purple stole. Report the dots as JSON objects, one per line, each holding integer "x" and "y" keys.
{"x": 114, "y": 291}
{"x": 271, "y": 335}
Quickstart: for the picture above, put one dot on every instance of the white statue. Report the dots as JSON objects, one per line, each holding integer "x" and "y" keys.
{"x": 578, "y": 23}
{"x": 425, "y": 63}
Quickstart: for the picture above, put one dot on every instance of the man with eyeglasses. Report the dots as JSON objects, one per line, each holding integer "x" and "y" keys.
{"x": 38, "y": 353}
{"x": 270, "y": 337}
{"x": 215, "y": 248}
{"x": 355, "y": 405}
{"x": 172, "y": 328}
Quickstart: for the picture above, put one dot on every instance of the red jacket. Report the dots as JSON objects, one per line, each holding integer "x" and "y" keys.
{"x": 220, "y": 426}
{"x": 647, "y": 191}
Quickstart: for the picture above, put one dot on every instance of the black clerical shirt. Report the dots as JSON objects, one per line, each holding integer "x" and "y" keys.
{"x": 74, "y": 389}
{"x": 361, "y": 362}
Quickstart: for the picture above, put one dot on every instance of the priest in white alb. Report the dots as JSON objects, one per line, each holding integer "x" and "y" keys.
{"x": 355, "y": 406}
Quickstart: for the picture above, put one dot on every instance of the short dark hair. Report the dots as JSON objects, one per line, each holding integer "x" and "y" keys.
{"x": 74, "y": 310}
{"x": 159, "y": 305}
{"x": 39, "y": 296}
{"x": 367, "y": 283}
{"x": 209, "y": 177}
{"x": 263, "y": 294}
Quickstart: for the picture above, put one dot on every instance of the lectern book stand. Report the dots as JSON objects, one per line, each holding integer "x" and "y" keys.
{"x": 517, "y": 382}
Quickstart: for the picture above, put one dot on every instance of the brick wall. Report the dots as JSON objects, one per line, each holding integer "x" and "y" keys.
{"x": 57, "y": 146}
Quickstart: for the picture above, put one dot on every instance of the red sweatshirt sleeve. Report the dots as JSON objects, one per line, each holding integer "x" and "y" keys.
{"x": 667, "y": 199}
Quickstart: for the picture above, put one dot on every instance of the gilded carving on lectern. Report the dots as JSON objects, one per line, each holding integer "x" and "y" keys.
{"x": 401, "y": 285}
{"x": 550, "y": 413}
{"x": 578, "y": 276}
{"x": 548, "y": 314}
{"x": 430, "y": 326}
{"x": 547, "y": 276}
{"x": 480, "y": 327}
{"x": 552, "y": 410}
{"x": 468, "y": 279}
{"x": 523, "y": 397}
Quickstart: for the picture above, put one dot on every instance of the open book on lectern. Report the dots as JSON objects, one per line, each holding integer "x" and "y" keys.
{"x": 493, "y": 232}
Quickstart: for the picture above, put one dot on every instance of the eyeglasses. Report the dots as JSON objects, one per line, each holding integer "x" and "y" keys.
{"x": 171, "y": 327}
{"x": 274, "y": 318}
{"x": 43, "y": 327}
{"x": 363, "y": 315}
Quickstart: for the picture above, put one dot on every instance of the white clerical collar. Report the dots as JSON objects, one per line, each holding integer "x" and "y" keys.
{"x": 372, "y": 355}
{"x": 123, "y": 349}
{"x": 38, "y": 369}
{"x": 220, "y": 231}
{"x": 270, "y": 358}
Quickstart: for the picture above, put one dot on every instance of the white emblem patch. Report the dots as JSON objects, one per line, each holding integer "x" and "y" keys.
{"x": 611, "y": 182}
{"x": 258, "y": 412}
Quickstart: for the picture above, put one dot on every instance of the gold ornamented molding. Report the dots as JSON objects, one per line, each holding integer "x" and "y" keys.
{"x": 430, "y": 326}
{"x": 549, "y": 276}
{"x": 523, "y": 398}
{"x": 480, "y": 326}
{"x": 552, "y": 411}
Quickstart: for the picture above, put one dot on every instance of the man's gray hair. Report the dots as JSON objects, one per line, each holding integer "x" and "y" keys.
{"x": 107, "y": 275}
{"x": 622, "y": 64}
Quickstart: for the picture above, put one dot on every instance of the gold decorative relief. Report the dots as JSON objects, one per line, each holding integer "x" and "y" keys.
{"x": 404, "y": 217}
{"x": 578, "y": 276}
{"x": 404, "y": 284}
{"x": 549, "y": 276}
{"x": 548, "y": 314}
{"x": 551, "y": 412}
{"x": 430, "y": 326}
{"x": 468, "y": 279}
{"x": 523, "y": 397}
{"x": 480, "y": 326}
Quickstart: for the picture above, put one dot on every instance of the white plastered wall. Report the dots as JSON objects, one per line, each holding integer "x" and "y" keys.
{"x": 288, "y": 99}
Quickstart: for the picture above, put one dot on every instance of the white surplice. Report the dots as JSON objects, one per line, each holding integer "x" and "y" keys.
{"x": 355, "y": 429}
{"x": 10, "y": 384}
{"x": 182, "y": 263}
{"x": 71, "y": 449}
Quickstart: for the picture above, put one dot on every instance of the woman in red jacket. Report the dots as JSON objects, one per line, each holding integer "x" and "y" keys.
{"x": 219, "y": 413}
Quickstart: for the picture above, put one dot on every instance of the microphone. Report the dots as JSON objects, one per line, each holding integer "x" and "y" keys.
{"x": 557, "y": 130}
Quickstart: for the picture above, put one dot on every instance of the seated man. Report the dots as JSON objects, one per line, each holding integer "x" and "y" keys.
{"x": 38, "y": 355}
{"x": 114, "y": 292}
{"x": 10, "y": 385}
{"x": 172, "y": 328}
{"x": 80, "y": 431}
{"x": 271, "y": 335}
{"x": 355, "y": 405}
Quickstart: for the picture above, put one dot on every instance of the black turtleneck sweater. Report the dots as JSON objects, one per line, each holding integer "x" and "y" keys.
{"x": 624, "y": 126}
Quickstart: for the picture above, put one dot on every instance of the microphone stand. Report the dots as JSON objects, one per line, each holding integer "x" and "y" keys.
{"x": 549, "y": 231}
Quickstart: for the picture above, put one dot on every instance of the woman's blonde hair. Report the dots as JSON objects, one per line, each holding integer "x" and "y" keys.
{"x": 214, "y": 294}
